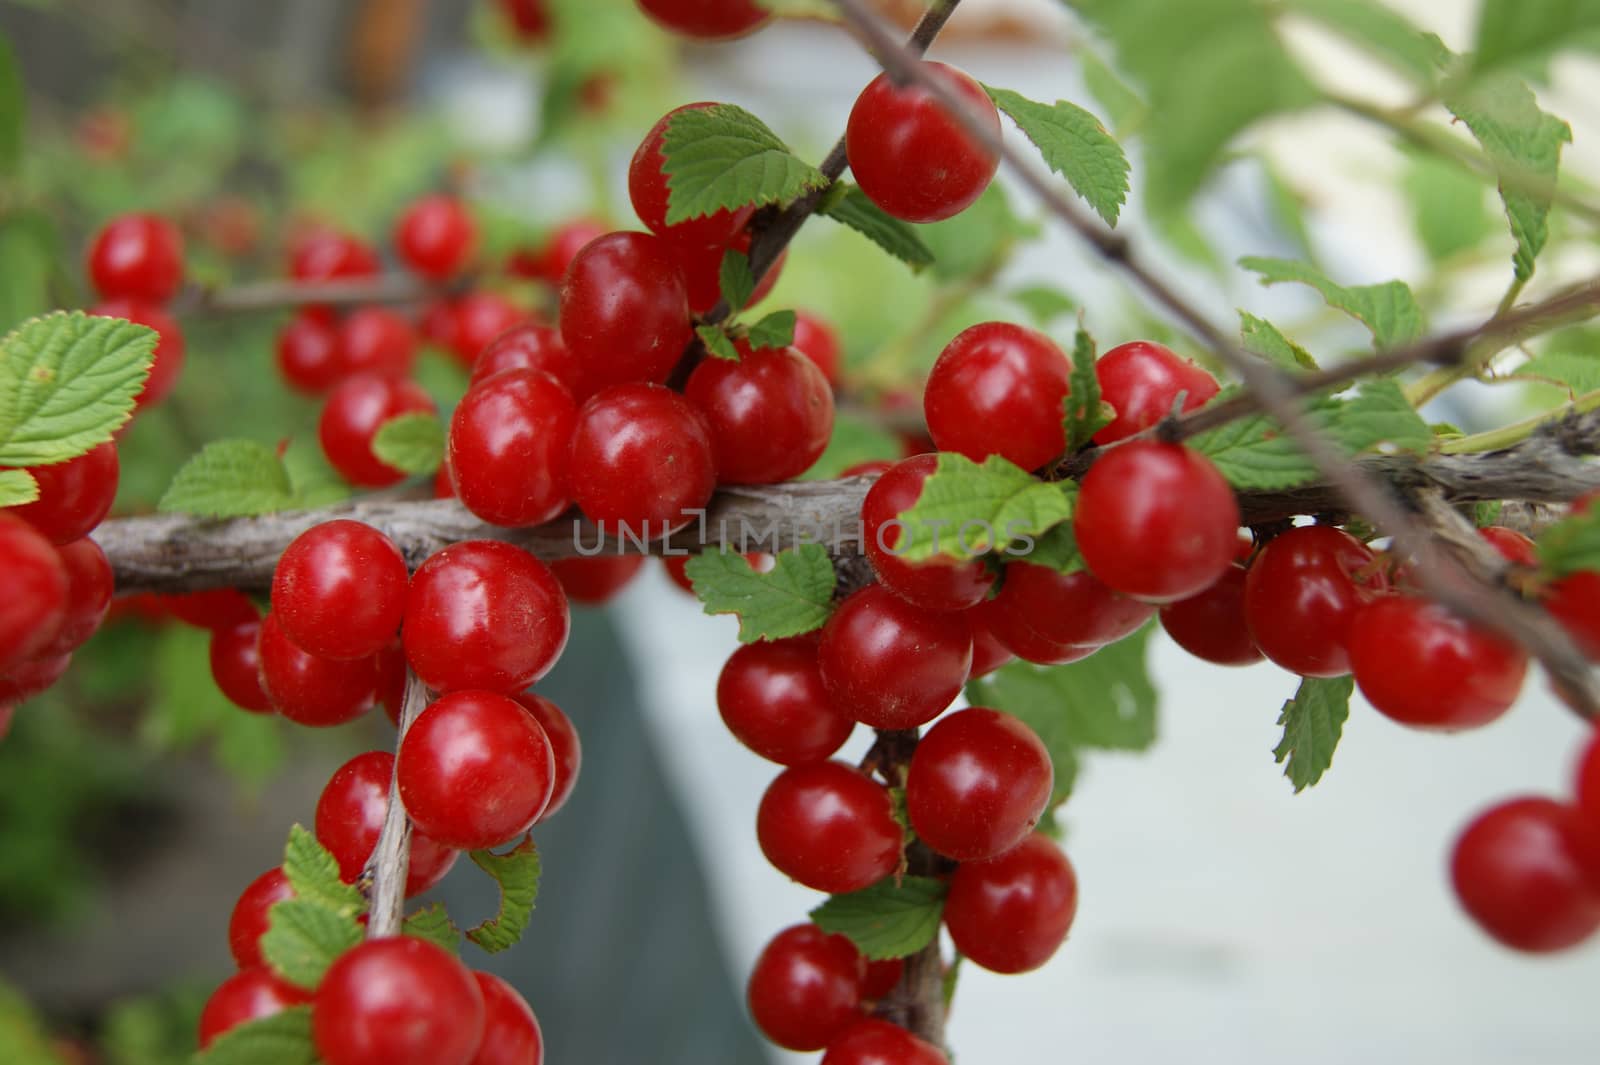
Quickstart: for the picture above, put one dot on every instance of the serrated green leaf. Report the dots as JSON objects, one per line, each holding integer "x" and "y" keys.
{"x": 717, "y": 342}
{"x": 313, "y": 873}
{"x": 17, "y": 487}
{"x": 1075, "y": 145}
{"x": 1086, "y": 414}
{"x": 1057, "y": 549}
{"x": 517, "y": 873}
{"x": 281, "y": 1039}
{"x": 1571, "y": 544}
{"x": 1449, "y": 206}
{"x": 1379, "y": 418}
{"x": 227, "y": 479}
{"x": 1390, "y": 309}
{"x": 735, "y": 278}
{"x": 966, "y": 509}
{"x": 312, "y": 480}
{"x": 433, "y": 924}
{"x": 794, "y": 597}
{"x": 1261, "y": 337}
{"x": 411, "y": 443}
{"x": 1578, "y": 371}
{"x": 1381, "y": 31}
{"x": 1115, "y": 97}
{"x": 1523, "y": 32}
{"x": 855, "y": 440}
{"x": 13, "y": 109}
{"x": 1043, "y": 303}
{"x": 888, "y": 919}
{"x": 67, "y": 382}
{"x": 1287, "y": 206}
{"x": 1312, "y": 722}
{"x": 776, "y": 330}
{"x": 722, "y": 156}
{"x": 304, "y": 937}
{"x": 852, "y": 208}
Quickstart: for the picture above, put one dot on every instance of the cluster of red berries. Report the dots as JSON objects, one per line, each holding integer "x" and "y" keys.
{"x": 136, "y": 267}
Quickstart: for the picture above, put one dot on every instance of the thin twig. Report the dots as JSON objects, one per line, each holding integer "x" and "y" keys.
{"x": 287, "y": 295}
{"x": 391, "y": 858}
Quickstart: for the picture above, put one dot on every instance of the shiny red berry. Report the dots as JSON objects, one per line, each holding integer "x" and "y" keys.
{"x": 249, "y": 920}
{"x": 938, "y": 584}
{"x": 1512, "y": 545}
{"x": 324, "y": 254}
{"x": 477, "y": 319}
{"x": 805, "y": 987}
{"x": 398, "y": 1001}
{"x": 829, "y": 827}
{"x": 647, "y": 188}
{"x": 308, "y": 354}
{"x": 706, "y": 20}
{"x": 436, "y": 236}
{"x": 1014, "y": 632}
{"x": 875, "y": 1042}
{"x": 625, "y": 309}
{"x": 530, "y": 21}
{"x": 511, "y": 1033}
{"x": 138, "y": 257}
{"x": 236, "y": 666}
{"x": 1301, "y": 595}
{"x": 772, "y": 699}
{"x": 74, "y": 496}
{"x": 1141, "y": 380}
{"x": 550, "y": 262}
{"x": 1075, "y": 609}
{"x": 351, "y": 418}
{"x": 339, "y": 590}
{"x": 891, "y": 665}
{"x": 376, "y": 340}
{"x": 770, "y": 413}
{"x": 1574, "y": 601}
{"x": 989, "y": 652}
{"x": 1009, "y": 914}
{"x": 817, "y": 341}
{"x": 642, "y": 460}
{"x": 89, "y": 588}
{"x": 34, "y": 605}
{"x": 350, "y": 816}
{"x": 1517, "y": 874}
{"x": 33, "y": 677}
{"x": 598, "y": 580}
{"x": 1211, "y": 624}
{"x": 246, "y": 996}
{"x": 312, "y": 691}
{"x": 565, "y": 748}
{"x": 701, "y": 266}
{"x": 218, "y": 608}
{"x": 881, "y": 978}
{"x": 997, "y": 389}
{"x": 170, "y": 345}
{"x": 979, "y": 781}
{"x": 510, "y": 447}
{"x": 531, "y": 346}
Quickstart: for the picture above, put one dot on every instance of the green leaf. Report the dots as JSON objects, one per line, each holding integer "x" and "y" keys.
{"x": 1115, "y": 97}
{"x": 17, "y": 487}
{"x": 1075, "y": 145}
{"x": 314, "y": 482}
{"x": 855, "y": 440}
{"x": 966, "y": 510}
{"x": 1523, "y": 32}
{"x": 1312, "y": 722}
{"x": 1487, "y": 512}
{"x": 794, "y": 597}
{"x": 1043, "y": 303}
{"x": 776, "y": 330}
{"x": 281, "y": 1039}
{"x": 978, "y": 241}
{"x": 1571, "y": 545}
{"x": 1578, "y": 371}
{"x": 13, "y": 110}
{"x": 30, "y": 257}
{"x": 1379, "y": 418}
{"x": 737, "y": 282}
{"x": 517, "y": 873}
{"x": 1524, "y": 143}
{"x": 1086, "y": 413}
{"x": 1389, "y": 309}
{"x": 888, "y": 919}
{"x": 227, "y": 479}
{"x": 67, "y": 382}
{"x": 313, "y": 873}
{"x": 1449, "y": 206}
{"x": 433, "y": 924}
{"x": 1057, "y": 549}
{"x": 852, "y": 208}
{"x": 722, "y": 156}
{"x": 1380, "y": 31}
{"x": 1261, "y": 337}
{"x": 718, "y": 344}
{"x": 411, "y": 443}
{"x": 304, "y": 937}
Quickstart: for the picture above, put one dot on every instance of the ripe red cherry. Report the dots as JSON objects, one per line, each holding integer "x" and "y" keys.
{"x": 997, "y": 389}
{"x": 475, "y": 769}
{"x": 1517, "y": 874}
{"x": 1587, "y": 783}
{"x": 817, "y": 341}
{"x": 89, "y": 588}
{"x": 138, "y": 257}
{"x": 891, "y": 665}
{"x": 551, "y": 260}
{"x": 1211, "y": 624}
{"x": 565, "y": 748}
{"x": 625, "y": 309}
{"x": 339, "y": 590}
{"x": 236, "y": 666}
{"x": 701, "y": 265}
{"x": 932, "y": 585}
{"x": 1422, "y": 666}
{"x": 530, "y": 346}
{"x": 352, "y": 416}
{"x": 399, "y": 1001}
{"x": 27, "y": 679}
{"x": 243, "y": 997}
{"x": 772, "y": 699}
{"x": 1156, "y": 521}
{"x": 641, "y": 460}
{"x": 881, "y": 978}
{"x": 312, "y": 691}
{"x": 249, "y": 920}
{"x": 376, "y": 340}
{"x": 875, "y": 1042}
{"x": 483, "y": 614}
{"x": 510, "y": 447}
{"x": 74, "y": 496}
{"x": 170, "y": 346}
{"x": 1141, "y": 380}
{"x": 308, "y": 354}
{"x": 1074, "y": 609}
{"x": 511, "y": 1033}
{"x": 770, "y": 413}
{"x": 350, "y": 816}
{"x": 530, "y": 21}
{"x": 480, "y": 317}
{"x": 910, "y": 156}
{"x": 34, "y": 605}
{"x": 324, "y": 254}
{"x": 805, "y": 987}
{"x": 989, "y": 652}
{"x": 219, "y": 608}
{"x": 829, "y": 827}
{"x": 1301, "y": 595}
{"x": 706, "y": 20}
{"x": 1574, "y": 601}
{"x": 596, "y": 581}
{"x": 1017, "y": 636}
{"x": 1512, "y": 545}
{"x": 978, "y": 783}
{"x": 647, "y": 188}
{"x": 436, "y": 236}
{"x": 1009, "y": 914}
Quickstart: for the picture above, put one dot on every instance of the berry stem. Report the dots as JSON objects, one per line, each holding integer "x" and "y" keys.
{"x": 1509, "y": 435}
{"x": 391, "y": 858}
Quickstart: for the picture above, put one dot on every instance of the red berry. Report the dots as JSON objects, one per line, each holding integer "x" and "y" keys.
{"x": 1574, "y": 601}
{"x": 1071, "y": 609}
{"x": 805, "y": 987}
{"x": 770, "y": 413}
{"x": 480, "y": 317}
{"x": 647, "y": 188}
{"x": 772, "y": 699}
{"x": 531, "y": 23}
{"x": 1010, "y": 914}
{"x": 565, "y": 748}
{"x": 997, "y": 389}
{"x": 339, "y": 590}
{"x": 816, "y": 340}
{"x": 677, "y": 567}
{"x": 475, "y": 770}
{"x": 911, "y": 156}
{"x": 350, "y": 816}
{"x": 625, "y": 309}
{"x": 399, "y": 1001}
{"x": 706, "y": 20}
{"x": 6, "y": 715}
{"x": 938, "y": 584}
{"x": 1512, "y": 545}
{"x": 596, "y": 581}
{"x": 89, "y": 587}
{"x": 1141, "y": 380}
{"x": 219, "y": 608}
{"x": 1211, "y": 624}
{"x": 438, "y": 324}
{"x": 352, "y": 416}
{"x": 308, "y": 354}
{"x": 1517, "y": 874}
{"x": 318, "y": 692}
{"x": 376, "y": 340}
{"x": 881, "y": 978}
{"x": 1301, "y": 595}
{"x": 978, "y": 783}
{"x": 1015, "y": 632}
{"x": 875, "y": 1042}
{"x": 510, "y": 447}
{"x": 1422, "y": 666}
{"x": 701, "y": 266}
{"x": 483, "y": 614}
{"x": 74, "y": 496}
{"x": 246, "y": 996}
{"x": 324, "y": 254}
{"x": 391, "y": 665}
{"x": 641, "y": 460}
{"x": 989, "y": 652}
{"x": 249, "y": 920}
{"x": 236, "y": 666}
{"x": 550, "y": 262}
{"x": 829, "y": 827}
{"x": 34, "y": 605}
{"x": 530, "y": 346}
{"x": 138, "y": 257}
{"x": 170, "y": 346}
{"x": 1587, "y": 783}
{"x": 1156, "y": 521}
{"x": 436, "y": 236}
{"x": 511, "y": 1033}
{"x": 891, "y": 665}
{"x": 33, "y": 677}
